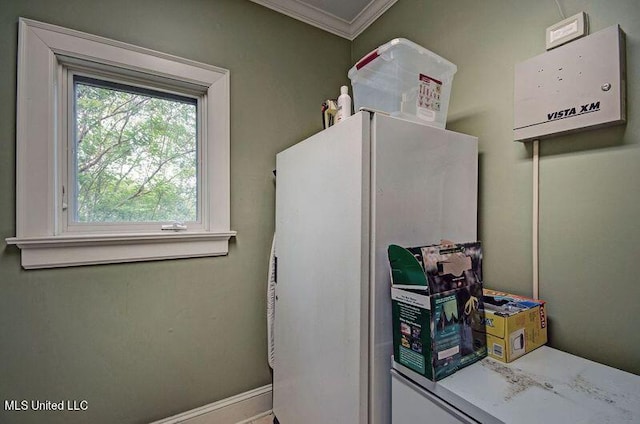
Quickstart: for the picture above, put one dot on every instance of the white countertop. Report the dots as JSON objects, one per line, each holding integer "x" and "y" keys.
{"x": 546, "y": 385}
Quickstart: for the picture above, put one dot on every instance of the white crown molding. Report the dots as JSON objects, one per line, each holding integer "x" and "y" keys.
{"x": 326, "y": 21}
{"x": 310, "y": 15}
{"x": 369, "y": 14}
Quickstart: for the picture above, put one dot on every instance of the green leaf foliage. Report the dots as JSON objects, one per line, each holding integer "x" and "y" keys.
{"x": 135, "y": 157}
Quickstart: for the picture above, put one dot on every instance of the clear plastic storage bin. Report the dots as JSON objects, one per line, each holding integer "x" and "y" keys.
{"x": 405, "y": 80}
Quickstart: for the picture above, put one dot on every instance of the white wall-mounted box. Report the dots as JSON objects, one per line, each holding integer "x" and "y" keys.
{"x": 574, "y": 87}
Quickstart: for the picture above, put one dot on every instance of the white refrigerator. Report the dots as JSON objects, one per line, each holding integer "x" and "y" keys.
{"x": 342, "y": 196}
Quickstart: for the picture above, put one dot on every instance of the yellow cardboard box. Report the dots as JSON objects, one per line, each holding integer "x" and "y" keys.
{"x": 515, "y": 325}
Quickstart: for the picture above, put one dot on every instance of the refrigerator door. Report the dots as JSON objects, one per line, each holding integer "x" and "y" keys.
{"x": 424, "y": 183}
{"x": 322, "y": 292}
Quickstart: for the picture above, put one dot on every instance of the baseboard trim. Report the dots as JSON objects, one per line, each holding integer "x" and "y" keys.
{"x": 233, "y": 410}
{"x": 257, "y": 417}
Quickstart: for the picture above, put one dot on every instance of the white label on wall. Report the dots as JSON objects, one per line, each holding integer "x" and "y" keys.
{"x": 563, "y": 31}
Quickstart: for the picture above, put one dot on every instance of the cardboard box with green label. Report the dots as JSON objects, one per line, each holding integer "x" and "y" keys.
{"x": 438, "y": 319}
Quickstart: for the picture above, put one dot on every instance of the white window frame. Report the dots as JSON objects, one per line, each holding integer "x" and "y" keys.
{"x": 46, "y": 53}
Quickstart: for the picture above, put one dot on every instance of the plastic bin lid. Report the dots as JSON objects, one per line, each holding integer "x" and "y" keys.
{"x": 395, "y": 44}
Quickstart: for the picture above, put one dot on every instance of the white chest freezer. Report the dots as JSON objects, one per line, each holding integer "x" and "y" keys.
{"x": 544, "y": 386}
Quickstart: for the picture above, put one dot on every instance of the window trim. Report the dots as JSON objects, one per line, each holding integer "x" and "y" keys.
{"x": 42, "y": 50}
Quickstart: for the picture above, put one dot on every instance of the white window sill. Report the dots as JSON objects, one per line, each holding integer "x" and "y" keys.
{"x": 90, "y": 249}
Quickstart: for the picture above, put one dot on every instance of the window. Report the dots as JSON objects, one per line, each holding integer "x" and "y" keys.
{"x": 133, "y": 156}
{"x": 122, "y": 152}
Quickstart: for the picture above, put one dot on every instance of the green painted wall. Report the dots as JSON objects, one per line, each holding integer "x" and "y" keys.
{"x": 144, "y": 341}
{"x": 589, "y": 190}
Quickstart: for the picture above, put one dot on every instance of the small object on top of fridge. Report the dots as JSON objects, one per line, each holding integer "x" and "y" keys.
{"x": 344, "y": 104}
{"x": 329, "y": 109}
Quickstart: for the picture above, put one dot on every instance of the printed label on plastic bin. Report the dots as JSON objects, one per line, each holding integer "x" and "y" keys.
{"x": 428, "y": 100}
